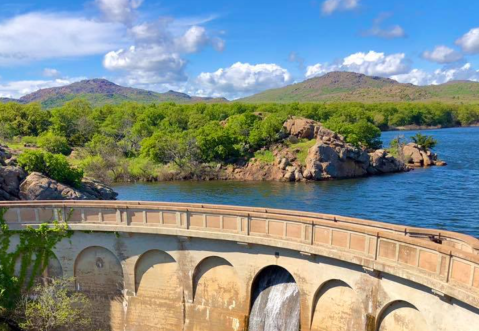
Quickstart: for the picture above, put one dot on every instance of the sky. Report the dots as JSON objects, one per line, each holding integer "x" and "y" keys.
{"x": 233, "y": 48}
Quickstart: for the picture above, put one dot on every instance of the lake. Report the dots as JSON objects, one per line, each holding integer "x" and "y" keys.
{"x": 436, "y": 197}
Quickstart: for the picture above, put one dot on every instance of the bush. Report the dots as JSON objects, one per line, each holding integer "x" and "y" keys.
{"x": 426, "y": 142}
{"x": 54, "y": 144}
{"x": 55, "y": 166}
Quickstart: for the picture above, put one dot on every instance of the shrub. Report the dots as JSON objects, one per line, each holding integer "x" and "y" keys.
{"x": 55, "y": 166}
{"x": 54, "y": 144}
{"x": 426, "y": 142}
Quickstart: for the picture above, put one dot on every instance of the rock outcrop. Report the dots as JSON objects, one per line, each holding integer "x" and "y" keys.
{"x": 39, "y": 187}
{"x": 417, "y": 156}
{"x": 16, "y": 184}
{"x": 331, "y": 157}
{"x": 10, "y": 179}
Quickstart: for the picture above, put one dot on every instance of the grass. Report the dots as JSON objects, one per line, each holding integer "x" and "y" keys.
{"x": 303, "y": 146}
{"x": 264, "y": 156}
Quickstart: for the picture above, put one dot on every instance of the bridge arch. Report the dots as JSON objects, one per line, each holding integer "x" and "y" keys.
{"x": 401, "y": 315}
{"x": 336, "y": 307}
{"x": 266, "y": 311}
{"x": 157, "y": 304}
{"x": 153, "y": 270}
{"x": 97, "y": 269}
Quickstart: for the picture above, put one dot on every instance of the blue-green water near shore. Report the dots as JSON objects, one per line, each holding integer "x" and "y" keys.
{"x": 436, "y": 197}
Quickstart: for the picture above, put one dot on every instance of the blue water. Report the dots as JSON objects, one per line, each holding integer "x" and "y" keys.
{"x": 436, "y": 197}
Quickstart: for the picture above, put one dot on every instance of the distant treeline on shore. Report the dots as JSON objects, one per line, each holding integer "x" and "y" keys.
{"x": 132, "y": 141}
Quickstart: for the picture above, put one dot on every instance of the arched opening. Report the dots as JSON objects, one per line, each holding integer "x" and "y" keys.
{"x": 401, "y": 316}
{"x": 275, "y": 301}
{"x": 98, "y": 270}
{"x": 218, "y": 297}
{"x": 155, "y": 272}
{"x": 336, "y": 307}
{"x": 53, "y": 269}
{"x": 158, "y": 301}
{"x": 99, "y": 274}
{"x": 215, "y": 283}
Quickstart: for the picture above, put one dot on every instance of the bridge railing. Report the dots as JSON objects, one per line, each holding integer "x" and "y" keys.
{"x": 448, "y": 257}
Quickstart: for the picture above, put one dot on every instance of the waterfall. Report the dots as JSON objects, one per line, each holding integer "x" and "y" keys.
{"x": 275, "y": 302}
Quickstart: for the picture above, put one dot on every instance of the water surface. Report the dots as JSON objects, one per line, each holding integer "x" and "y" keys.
{"x": 436, "y": 197}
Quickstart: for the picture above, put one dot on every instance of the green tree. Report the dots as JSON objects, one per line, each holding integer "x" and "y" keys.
{"x": 55, "y": 166}
{"x": 54, "y": 144}
{"x": 54, "y": 306}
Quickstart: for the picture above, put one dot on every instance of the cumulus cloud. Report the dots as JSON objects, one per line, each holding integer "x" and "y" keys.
{"x": 17, "y": 89}
{"x": 242, "y": 79}
{"x": 439, "y": 76}
{"x": 157, "y": 54}
{"x": 48, "y": 72}
{"x": 442, "y": 54}
{"x": 470, "y": 41}
{"x": 330, "y": 6}
{"x": 391, "y": 32}
{"x": 371, "y": 63}
{"x": 121, "y": 11}
{"x": 40, "y": 36}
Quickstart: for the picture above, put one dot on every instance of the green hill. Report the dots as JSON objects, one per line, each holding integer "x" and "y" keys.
{"x": 101, "y": 91}
{"x": 349, "y": 86}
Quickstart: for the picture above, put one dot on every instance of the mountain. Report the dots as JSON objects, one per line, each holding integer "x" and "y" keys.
{"x": 101, "y": 91}
{"x": 350, "y": 86}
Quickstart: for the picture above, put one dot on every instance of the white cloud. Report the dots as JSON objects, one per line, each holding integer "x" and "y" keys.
{"x": 157, "y": 54}
{"x": 439, "y": 76}
{"x": 39, "y": 36}
{"x": 242, "y": 79}
{"x": 371, "y": 63}
{"x": 330, "y": 6}
{"x": 442, "y": 54}
{"x": 470, "y": 41}
{"x": 17, "y": 89}
{"x": 48, "y": 72}
{"x": 391, "y": 32}
{"x": 294, "y": 57}
{"x": 121, "y": 11}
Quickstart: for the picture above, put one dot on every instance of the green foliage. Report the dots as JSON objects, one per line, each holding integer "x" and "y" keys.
{"x": 55, "y": 166}
{"x": 426, "y": 142}
{"x": 54, "y": 144}
{"x": 55, "y": 306}
{"x": 34, "y": 250}
{"x": 360, "y": 133}
{"x": 303, "y": 149}
{"x": 119, "y": 142}
{"x": 264, "y": 156}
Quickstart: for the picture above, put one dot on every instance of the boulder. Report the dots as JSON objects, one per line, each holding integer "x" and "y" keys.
{"x": 301, "y": 128}
{"x": 380, "y": 161}
{"x": 417, "y": 156}
{"x": 10, "y": 179}
{"x": 97, "y": 190}
{"x": 412, "y": 153}
{"x": 325, "y": 161}
{"x": 39, "y": 187}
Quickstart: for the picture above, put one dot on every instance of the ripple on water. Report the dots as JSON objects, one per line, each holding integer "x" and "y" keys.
{"x": 437, "y": 197}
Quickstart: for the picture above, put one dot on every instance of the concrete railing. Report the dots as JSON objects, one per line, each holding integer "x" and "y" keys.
{"x": 446, "y": 261}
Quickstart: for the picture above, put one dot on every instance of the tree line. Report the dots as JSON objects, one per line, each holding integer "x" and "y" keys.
{"x": 132, "y": 140}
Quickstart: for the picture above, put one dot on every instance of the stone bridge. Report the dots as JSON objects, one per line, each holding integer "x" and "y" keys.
{"x": 170, "y": 266}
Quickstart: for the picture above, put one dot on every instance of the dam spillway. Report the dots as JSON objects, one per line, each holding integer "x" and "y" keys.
{"x": 166, "y": 266}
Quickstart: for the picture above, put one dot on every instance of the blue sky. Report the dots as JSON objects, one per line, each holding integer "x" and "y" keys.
{"x": 233, "y": 48}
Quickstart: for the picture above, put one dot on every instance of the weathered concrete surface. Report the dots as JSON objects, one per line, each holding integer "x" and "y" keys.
{"x": 186, "y": 267}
